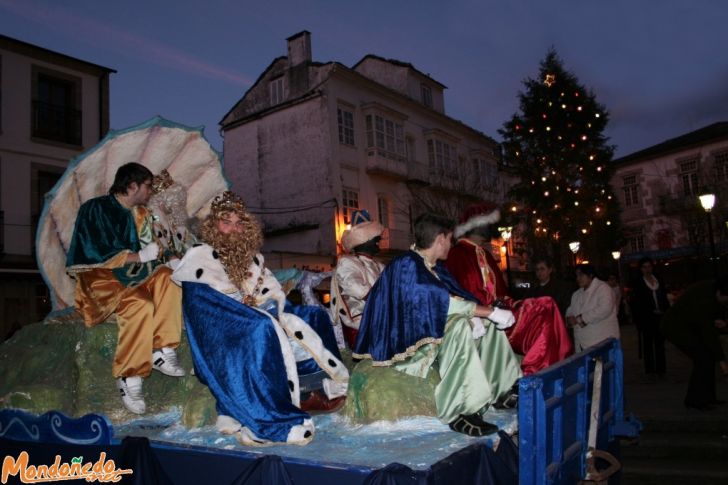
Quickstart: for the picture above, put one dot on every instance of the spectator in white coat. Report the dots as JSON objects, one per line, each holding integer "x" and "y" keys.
{"x": 592, "y": 313}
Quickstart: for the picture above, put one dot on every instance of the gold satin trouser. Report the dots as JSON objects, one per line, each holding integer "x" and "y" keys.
{"x": 149, "y": 315}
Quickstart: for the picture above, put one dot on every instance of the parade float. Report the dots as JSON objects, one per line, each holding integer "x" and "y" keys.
{"x": 59, "y": 400}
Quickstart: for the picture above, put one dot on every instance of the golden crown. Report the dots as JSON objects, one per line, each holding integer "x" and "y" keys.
{"x": 227, "y": 202}
{"x": 162, "y": 181}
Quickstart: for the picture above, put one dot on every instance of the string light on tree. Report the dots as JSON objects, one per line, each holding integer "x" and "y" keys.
{"x": 556, "y": 142}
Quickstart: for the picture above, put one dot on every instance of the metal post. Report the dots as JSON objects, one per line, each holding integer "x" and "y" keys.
{"x": 707, "y": 201}
{"x": 713, "y": 260}
{"x": 508, "y": 269}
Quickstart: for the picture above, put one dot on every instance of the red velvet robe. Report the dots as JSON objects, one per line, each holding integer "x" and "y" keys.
{"x": 539, "y": 333}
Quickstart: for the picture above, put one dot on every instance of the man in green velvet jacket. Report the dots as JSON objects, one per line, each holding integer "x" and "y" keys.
{"x": 114, "y": 259}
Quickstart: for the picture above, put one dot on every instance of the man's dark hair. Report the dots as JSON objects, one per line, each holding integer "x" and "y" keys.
{"x": 127, "y": 174}
{"x": 587, "y": 269}
{"x": 645, "y": 259}
{"x": 427, "y": 228}
{"x": 543, "y": 259}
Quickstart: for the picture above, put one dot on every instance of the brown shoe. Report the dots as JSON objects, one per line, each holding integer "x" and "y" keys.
{"x": 317, "y": 403}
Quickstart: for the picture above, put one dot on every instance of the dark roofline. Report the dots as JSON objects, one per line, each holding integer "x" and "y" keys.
{"x": 399, "y": 63}
{"x": 262, "y": 74}
{"x": 299, "y": 34}
{"x": 341, "y": 68}
{"x": 7, "y": 42}
{"x": 697, "y": 137}
{"x": 311, "y": 93}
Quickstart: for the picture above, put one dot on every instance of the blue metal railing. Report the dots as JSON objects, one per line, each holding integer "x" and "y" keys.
{"x": 554, "y": 415}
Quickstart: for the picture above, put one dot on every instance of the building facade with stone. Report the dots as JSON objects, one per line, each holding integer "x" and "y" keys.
{"x": 310, "y": 142}
{"x": 659, "y": 187}
{"x": 52, "y": 108}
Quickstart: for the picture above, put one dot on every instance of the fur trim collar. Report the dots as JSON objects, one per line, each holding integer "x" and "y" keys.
{"x": 477, "y": 221}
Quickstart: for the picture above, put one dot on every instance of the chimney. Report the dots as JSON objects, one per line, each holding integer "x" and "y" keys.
{"x": 299, "y": 48}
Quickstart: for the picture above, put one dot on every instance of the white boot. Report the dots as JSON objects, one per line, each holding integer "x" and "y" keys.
{"x": 227, "y": 424}
{"x": 130, "y": 389}
{"x": 165, "y": 361}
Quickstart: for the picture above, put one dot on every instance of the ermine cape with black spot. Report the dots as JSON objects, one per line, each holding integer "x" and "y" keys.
{"x": 243, "y": 353}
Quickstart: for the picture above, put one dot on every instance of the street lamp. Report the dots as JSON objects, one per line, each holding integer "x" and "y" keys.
{"x": 616, "y": 255}
{"x": 708, "y": 202}
{"x": 506, "y": 232}
{"x": 574, "y": 246}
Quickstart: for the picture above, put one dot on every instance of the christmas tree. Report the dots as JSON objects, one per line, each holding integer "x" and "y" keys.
{"x": 556, "y": 149}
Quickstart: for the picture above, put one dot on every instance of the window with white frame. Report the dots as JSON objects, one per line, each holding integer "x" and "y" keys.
{"x": 383, "y": 210}
{"x": 386, "y": 137}
{"x": 349, "y": 202}
{"x": 631, "y": 191}
{"x": 411, "y": 151}
{"x": 689, "y": 177}
{"x": 720, "y": 162}
{"x": 56, "y": 103}
{"x": 484, "y": 171}
{"x": 426, "y": 95}
{"x": 346, "y": 126}
{"x": 276, "y": 91}
{"x": 442, "y": 157}
{"x": 635, "y": 240}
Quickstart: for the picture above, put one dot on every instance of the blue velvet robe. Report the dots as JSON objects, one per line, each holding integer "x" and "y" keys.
{"x": 406, "y": 307}
{"x": 237, "y": 354}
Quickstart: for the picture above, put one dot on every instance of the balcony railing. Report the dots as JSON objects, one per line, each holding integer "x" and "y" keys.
{"x": 380, "y": 165}
{"x": 417, "y": 173}
{"x": 56, "y": 123}
{"x": 670, "y": 204}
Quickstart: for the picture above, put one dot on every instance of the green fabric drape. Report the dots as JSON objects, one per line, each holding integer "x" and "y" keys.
{"x": 474, "y": 373}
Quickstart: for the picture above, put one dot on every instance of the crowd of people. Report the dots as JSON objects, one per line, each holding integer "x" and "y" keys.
{"x": 443, "y": 305}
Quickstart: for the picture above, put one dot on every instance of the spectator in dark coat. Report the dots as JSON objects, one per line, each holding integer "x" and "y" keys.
{"x": 692, "y": 324}
{"x": 548, "y": 284}
{"x": 649, "y": 302}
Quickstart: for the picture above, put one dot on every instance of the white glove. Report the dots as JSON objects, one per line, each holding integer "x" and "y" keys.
{"x": 148, "y": 253}
{"x": 478, "y": 328}
{"x": 334, "y": 389}
{"x": 503, "y": 319}
{"x": 174, "y": 263}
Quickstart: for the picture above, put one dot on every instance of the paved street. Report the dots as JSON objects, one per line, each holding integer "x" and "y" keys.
{"x": 677, "y": 445}
{"x": 662, "y": 398}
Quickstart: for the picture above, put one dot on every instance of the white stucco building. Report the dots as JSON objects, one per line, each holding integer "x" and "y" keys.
{"x": 52, "y": 108}
{"x": 659, "y": 187}
{"x": 309, "y": 142}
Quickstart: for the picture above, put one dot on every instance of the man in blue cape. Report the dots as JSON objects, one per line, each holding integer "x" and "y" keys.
{"x": 265, "y": 361}
{"x": 417, "y": 317}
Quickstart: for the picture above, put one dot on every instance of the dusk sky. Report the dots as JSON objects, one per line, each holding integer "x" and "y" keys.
{"x": 659, "y": 66}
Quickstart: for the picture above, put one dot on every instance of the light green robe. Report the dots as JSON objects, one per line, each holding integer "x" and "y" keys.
{"x": 474, "y": 373}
